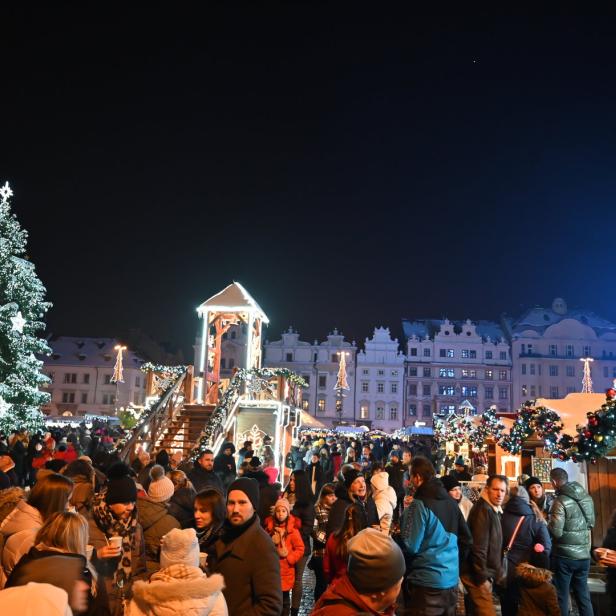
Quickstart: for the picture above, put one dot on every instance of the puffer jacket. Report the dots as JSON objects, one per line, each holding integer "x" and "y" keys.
{"x": 179, "y": 590}
{"x": 571, "y": 519}
{"x": 18, "y": 531}
{"x": 385, "y": 499}
{"x": 156, "y": 522}
{"x": 537, "y": 593}
{"x": 531, "y": 532}
{"x": 8, "y": 501}
{"x": 295, "y": 549}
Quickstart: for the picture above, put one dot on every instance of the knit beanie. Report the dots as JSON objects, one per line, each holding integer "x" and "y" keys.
{"x": 179, "y": 547}
{"x": 450, "y": 482}
{"x": 375, "y": 561}
{"x": 121, "y": 487}
{"x": 459, "y": 461}
{"x": 161, "y": 488}
{"x": 248, "y": 486}
{"x": 532, "y": 481}
{"x": 255, "y": 462}
{"x": 283, "y": 502}
{"x": 350, "y": 476}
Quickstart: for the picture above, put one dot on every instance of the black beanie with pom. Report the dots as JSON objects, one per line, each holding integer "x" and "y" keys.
{"x": 121, "y": 488}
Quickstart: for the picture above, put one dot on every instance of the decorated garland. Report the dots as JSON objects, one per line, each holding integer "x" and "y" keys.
{"x": 257, "y": 381}
{"x": 489, "y": 427}
{"x": 540, "y": 420}
{"x": 454, "y": 428}
{"x": 174, "y": 370}
{"x": 596, "y": 438}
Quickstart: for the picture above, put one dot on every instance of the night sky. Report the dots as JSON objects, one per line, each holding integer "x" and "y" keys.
{"x": 350, "y": 168}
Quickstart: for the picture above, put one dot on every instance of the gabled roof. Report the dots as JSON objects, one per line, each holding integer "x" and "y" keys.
{"x": 90, "y": 352}
{"x": 233, "y": 298}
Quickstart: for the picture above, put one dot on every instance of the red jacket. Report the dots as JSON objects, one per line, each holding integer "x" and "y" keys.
{"x": 295, "y": 548}
{"x": 69, "y": 455}
{"x": 333, "y": 566}
{"x": 341, "y": 599}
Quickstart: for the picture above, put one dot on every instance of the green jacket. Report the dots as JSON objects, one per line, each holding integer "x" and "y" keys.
{"x": 571, "y": 518}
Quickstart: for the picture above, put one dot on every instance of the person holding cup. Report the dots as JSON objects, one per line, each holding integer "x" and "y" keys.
{"x": 117, "y": 536}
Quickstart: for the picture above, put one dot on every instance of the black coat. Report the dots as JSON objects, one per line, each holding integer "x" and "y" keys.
{"x": 530, "y": 532}
{"x": 203, "y": 480}
{"x": 485, "y": 558}
{"x": 305, "y": 513}
{"x": 396, "y": 477}
{"x": 181, "y": 506}
{"x": 225, "y": 467}
{"x": 367, "y": 509}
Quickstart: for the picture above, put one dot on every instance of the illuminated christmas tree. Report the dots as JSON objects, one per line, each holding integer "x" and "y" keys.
{"x": 22, "y": 309}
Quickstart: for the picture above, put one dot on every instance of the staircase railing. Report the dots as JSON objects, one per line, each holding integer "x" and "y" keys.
{"x": 154, "y": 421}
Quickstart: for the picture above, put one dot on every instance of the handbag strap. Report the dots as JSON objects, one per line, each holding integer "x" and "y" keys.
{"x": 515, "y": 532}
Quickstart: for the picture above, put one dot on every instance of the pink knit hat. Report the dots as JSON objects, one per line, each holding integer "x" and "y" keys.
{"x": 161, "y": 488}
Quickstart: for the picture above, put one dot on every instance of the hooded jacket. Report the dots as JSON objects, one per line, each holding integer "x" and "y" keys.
{"x": 341, "y": 599}
{"x": 531, "y": 531}
{"x": 295, "y": 548}
{"x": 18, "y": 531}
{"x": 537, "y": 593}
{"x": 156, "y": 521}
{"x": 224, "y": 465}
{"x": 385, "y": 499}
{"x": 8, "y": 501}
{"x": 179, "y": 590}
{"x": 571, "y": 519}
{"x": 367, "y": 508}
{"x": 431, "y": 528}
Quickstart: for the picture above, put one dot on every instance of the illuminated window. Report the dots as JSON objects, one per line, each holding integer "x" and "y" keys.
{"x": 447, "y": 373}
{"x": 379, "y": 411}
{"x": 469, "y": 374}
{"x": 489, "y": 375}
{"x": 364, "y": 412}
{"x": 321, "y": 405}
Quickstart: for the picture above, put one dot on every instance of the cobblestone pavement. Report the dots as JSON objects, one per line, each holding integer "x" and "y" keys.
{"x": 308, "y": 594}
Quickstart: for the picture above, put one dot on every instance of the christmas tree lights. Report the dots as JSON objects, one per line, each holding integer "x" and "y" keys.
{"x": 490, "y": 427}
{"x": 586, "y": 380}
{"x": 22, "y": 309}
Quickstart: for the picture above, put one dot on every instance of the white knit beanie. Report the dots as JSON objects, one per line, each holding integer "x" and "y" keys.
{"x": 179, "y": 547}
{"x": 161, "y": 487}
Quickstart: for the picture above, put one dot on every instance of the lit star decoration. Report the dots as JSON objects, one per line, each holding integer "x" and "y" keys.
{"x": 18, "y": 322}
{"x": 5, "y": 192}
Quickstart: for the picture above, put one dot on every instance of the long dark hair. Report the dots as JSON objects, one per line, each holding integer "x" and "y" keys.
{"x": 213, "y": 501}
{"x": 303, "y": 491}
{"x": 350, "y": 527}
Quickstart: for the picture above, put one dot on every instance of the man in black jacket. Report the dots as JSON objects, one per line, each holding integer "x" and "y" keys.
{"x": 203, "y": 476}
{"x": 352, "y": 492}
{"x": 483, "y": 566}
{"x": 224, "y": 464}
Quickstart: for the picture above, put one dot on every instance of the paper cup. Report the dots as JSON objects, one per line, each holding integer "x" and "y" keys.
{"x": 202, "y": 559}
{"x": 89, "y": 551}
{"x": 116, "y": 542}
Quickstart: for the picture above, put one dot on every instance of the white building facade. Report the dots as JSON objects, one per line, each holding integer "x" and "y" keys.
{"x": 451, "y": 364}
{"x": 318, "y": 363}
{"x": 547, "y": 345}
{"x": 380, "y": 382}
{"x": 81, "y": 370}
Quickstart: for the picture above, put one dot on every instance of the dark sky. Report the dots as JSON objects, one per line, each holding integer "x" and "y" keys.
{"x": 349, "y": 168}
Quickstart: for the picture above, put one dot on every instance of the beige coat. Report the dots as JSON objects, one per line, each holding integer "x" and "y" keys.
{"x": 18, "y": 532}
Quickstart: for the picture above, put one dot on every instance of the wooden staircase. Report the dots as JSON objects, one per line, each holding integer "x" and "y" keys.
{"x": 185, "y": 428}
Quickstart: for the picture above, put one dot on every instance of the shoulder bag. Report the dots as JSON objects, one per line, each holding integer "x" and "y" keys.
{"x": 502, "y": 580}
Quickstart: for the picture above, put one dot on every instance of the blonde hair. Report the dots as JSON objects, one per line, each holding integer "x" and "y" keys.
{"x": 65, "y": 531}
{"x": 179, "y": 479}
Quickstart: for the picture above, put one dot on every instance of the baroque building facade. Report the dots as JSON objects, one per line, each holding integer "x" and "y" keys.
{"x": 451, "y": 365}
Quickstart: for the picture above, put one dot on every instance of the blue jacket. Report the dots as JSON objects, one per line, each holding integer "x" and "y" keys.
{"x": 433, "y": 549}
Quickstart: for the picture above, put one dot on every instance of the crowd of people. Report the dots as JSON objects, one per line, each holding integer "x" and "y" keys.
{"x": 385, "y": 526}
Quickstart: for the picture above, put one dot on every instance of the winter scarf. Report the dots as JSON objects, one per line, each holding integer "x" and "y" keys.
{"x": 113, "y": 527}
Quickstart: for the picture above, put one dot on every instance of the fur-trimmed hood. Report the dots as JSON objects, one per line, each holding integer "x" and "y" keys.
{"x": 195, "y": 594}
{"x": 532, "y": 576}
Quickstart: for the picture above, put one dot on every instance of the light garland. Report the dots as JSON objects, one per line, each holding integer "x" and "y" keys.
{"x": 490, "y": 427}
{"x": 258, "y": 380}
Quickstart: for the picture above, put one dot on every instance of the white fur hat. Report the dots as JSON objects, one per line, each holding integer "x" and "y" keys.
{"x": 180, "y": 547}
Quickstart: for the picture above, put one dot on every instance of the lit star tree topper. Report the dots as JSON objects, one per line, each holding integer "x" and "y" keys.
{"x": 342, "y": 384}
{"x": 118, "y": 369}
{"x": 22, "y": 309}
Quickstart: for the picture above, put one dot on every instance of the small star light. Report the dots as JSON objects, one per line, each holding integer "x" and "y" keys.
{"x": 5, "y": 192}
{"x": 18, "y": 322}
